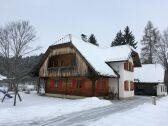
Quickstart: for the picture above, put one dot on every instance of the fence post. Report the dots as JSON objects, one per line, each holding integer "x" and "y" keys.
{"x": 154, "y": 100}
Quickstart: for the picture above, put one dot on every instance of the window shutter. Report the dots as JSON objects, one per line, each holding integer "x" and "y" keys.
{"x": 133, "y": 88}
{"x": 130, "y": 66}
{"x": 98, "y": 84}
{"x": 51, "y": 83}
{"x": 125, "y": 85}
{"x": 105, "y": 84}
{"x": 73, "y": 83}
{"x": 83, "y": 84}
{"x": 60, "y": 84}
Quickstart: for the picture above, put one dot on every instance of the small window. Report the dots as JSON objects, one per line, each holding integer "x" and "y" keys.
{"x": 78, "y": 84}
{"x": 56, "y": 83}
{"x": 128, "y": 66}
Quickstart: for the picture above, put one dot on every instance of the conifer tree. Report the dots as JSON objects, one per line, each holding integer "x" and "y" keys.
{"x": 124, "y": 38}
{"x": 84, "y": 37}
{"x": 129, "y": 38}
{"x": 119, "y": 39}
{"x": 149, "y": 42}
{"x": 93, "y": 40}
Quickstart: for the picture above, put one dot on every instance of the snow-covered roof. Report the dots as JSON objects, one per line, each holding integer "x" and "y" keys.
{"x": 2, "y": 77}
{"x": 96, "y": 56}
{"x": 149, "y": 73}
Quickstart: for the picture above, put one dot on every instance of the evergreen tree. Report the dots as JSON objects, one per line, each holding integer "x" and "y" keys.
{"x": 84, "y": 37}
{"x": 149, "y": 41}
{"x": 119, "y": 39}
{"x": 93, "y": 40}
{"x": 129, "y": 38}
{"x": 123, "y": 39}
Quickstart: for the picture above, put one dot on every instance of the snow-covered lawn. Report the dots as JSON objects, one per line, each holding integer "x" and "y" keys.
{"x": 34, "y": 107}
{"x": 143, "y": 115}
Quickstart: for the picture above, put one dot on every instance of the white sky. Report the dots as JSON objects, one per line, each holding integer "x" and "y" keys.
{"x": 53, "y": 19}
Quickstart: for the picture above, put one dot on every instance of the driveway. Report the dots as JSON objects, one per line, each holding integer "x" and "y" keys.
{"x": 82, "y": 117}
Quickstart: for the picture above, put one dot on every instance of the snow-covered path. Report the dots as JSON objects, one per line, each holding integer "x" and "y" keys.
{"x": 83, "y": 117}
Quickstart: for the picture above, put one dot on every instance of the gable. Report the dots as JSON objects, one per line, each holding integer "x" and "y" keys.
{"x": 72, "y": 63}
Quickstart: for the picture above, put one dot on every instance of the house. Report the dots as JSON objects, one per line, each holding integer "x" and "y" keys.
{"x": 149, "y": 80}
{"x": 73, "y": 68}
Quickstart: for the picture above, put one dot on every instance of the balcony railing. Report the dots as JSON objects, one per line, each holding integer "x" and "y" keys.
{"x": 61, "y": 69}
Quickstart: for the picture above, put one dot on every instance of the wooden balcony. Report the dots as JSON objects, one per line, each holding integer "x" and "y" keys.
{"x": 61, "y": 69}
{"x": 65, "y": 71}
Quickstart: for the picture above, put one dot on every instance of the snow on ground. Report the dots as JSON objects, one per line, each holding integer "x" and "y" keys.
{"x": 34, "y": 107}
{"x": 143, "y": 115}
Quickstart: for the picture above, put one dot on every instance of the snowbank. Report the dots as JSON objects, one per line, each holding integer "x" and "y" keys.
{"x": 34, "y": 108}
{"x": 143, "y": 115}
{"x": 2, "y": 77}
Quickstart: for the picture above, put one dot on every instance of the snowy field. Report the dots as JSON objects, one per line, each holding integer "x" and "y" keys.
{"x": 143, "y": 115}
{"x": 34, "y": 107}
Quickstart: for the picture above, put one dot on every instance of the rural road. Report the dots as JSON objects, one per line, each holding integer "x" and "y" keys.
{"x": 82, "y": 117}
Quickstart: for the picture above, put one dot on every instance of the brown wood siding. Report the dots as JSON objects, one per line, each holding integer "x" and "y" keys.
{"x": 69, "y": 88}
{"x": 81, "y": 69}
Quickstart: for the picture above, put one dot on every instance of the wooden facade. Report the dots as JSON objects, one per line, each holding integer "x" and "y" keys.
{"x": 80, "y": 86}
{"x": 67, "y": 72}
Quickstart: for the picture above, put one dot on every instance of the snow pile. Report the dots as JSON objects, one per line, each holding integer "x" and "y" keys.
{"x": 149, "y": 73}
{"x": 4, "y": 88}
{"x": 143, "y": 115}
{"x": 38, "y": 108}
{"x": 2, "y": 77}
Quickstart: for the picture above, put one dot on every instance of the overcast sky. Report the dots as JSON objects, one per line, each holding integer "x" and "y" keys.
{"x": 56, "y": 18}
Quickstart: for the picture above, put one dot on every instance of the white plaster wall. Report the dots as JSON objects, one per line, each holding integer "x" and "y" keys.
{"x": 124, "y": 75}
{"x": 128, "y": 75}
{"x": 113, "y": 85}
{"x": 159, "y": 92}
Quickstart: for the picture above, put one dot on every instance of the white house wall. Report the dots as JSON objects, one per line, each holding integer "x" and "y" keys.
{"x": 162, "y": 91}
{"x": 124, "y": 75}
{"x": 113, "y": 85}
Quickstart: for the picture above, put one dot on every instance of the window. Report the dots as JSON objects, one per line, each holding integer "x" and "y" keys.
{"x": 78, "y": 84}
{"x": 126, "y": 85}
{"x": 128, "y": 66}
{"x": 56, "y": 83}
{"x": 162, "y": 88}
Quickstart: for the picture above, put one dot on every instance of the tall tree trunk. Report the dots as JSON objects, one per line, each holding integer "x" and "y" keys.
{"x": 166, "y": 77}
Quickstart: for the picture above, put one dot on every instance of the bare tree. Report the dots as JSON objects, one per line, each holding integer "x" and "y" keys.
{"x": 162, "y": 53}
{"x": 15, "y": 42}
{"x": 150, "y": 39}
